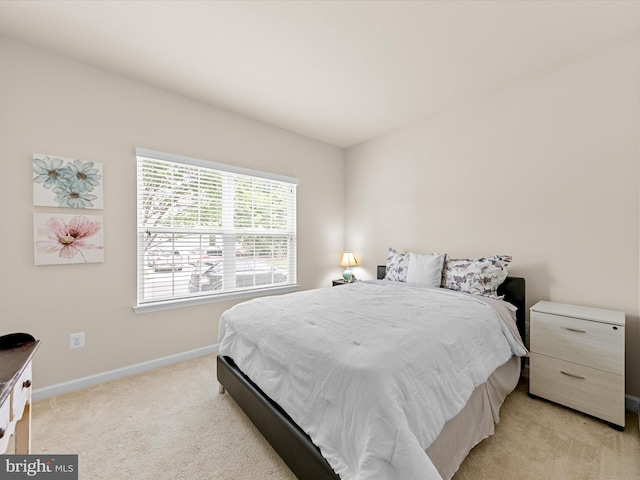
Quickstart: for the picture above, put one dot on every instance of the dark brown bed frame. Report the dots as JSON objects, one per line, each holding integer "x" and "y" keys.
{"x": 290, "y": 442}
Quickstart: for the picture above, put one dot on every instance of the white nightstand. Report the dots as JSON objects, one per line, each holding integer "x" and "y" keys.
{"x": 577, "y": 359}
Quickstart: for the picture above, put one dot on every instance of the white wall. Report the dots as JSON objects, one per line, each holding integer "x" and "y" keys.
{"x": 52, "y": 105}
{"x": 545, "y": 170}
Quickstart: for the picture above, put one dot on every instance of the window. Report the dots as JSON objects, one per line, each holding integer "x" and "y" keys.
{"x": 208, "y": 231}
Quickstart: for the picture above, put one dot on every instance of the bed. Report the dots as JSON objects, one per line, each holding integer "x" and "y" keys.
{"x": 454, "y": 439}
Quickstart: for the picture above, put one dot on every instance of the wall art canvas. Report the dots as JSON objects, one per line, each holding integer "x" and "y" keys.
{"x": 66, "y": 182}
{"x": 61, "y": 239}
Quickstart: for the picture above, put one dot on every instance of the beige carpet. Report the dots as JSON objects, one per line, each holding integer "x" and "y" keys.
{"x": 172, "y": 424}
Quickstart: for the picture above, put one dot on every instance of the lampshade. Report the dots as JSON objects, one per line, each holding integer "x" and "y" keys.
{"x": 348, "y": 260}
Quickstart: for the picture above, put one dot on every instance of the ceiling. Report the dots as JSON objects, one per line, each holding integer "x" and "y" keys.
{"x": 341, "y": 72}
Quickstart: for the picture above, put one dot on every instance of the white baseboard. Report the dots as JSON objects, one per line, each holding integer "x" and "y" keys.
{"x": 632, "y": 403}
{"x": 70, "y": 386}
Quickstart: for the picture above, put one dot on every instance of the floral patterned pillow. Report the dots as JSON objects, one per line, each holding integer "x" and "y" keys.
{"x": 479, "y": 276}
{"x": 397, "y": 266}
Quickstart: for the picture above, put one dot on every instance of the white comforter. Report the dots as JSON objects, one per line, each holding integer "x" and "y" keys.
{"x": 373, "y": 370}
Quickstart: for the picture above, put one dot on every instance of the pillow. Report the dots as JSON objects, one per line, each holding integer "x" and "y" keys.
{"x": 479, "y": 276}
{"x": 397, "y": 264}
{"x": 424, "y": 269}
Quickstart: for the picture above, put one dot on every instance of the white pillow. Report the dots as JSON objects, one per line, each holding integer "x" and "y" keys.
{"x": 425, "y": 270}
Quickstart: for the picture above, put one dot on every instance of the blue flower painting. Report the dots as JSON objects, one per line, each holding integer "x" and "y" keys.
{"x": 64, "y": 182}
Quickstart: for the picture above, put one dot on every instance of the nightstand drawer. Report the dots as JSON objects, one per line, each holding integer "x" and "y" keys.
{"x": 588, "y": 390}
{"x": 593, "y": 344}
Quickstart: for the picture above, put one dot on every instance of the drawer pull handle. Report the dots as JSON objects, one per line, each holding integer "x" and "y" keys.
{"x": 26, "y": 384}
{"x": 573, "y": 330}
{"x": 572, "y": 375}
{"x": 1, "y": 432}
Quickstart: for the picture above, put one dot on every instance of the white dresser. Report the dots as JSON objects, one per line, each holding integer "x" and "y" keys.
{"x": 577, "y": 359}
{"x": 15, "y": 395}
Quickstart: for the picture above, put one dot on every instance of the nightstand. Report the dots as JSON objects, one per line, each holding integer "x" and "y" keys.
{"x": 577, "y": 359}
{"x": 340, "y": 281}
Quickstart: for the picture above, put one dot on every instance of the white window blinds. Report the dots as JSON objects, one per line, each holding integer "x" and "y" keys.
{"x": 207, "y": 229}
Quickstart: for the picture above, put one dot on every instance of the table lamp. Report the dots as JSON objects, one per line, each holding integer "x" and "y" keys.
{"x": 348, "y": 261}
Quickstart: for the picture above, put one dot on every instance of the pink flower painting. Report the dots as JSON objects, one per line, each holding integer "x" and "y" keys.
{"x": 68, "y": 239}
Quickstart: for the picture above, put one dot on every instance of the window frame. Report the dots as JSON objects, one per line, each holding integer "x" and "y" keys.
{"x": 237, "y": 293}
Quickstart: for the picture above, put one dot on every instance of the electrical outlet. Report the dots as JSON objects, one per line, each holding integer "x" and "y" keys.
{"x": 76, "y": 340}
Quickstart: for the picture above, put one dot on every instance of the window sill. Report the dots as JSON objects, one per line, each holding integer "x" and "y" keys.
{"x": 222, "y": 297}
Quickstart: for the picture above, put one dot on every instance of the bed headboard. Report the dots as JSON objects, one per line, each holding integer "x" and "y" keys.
{"x": 513, "y": 289}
